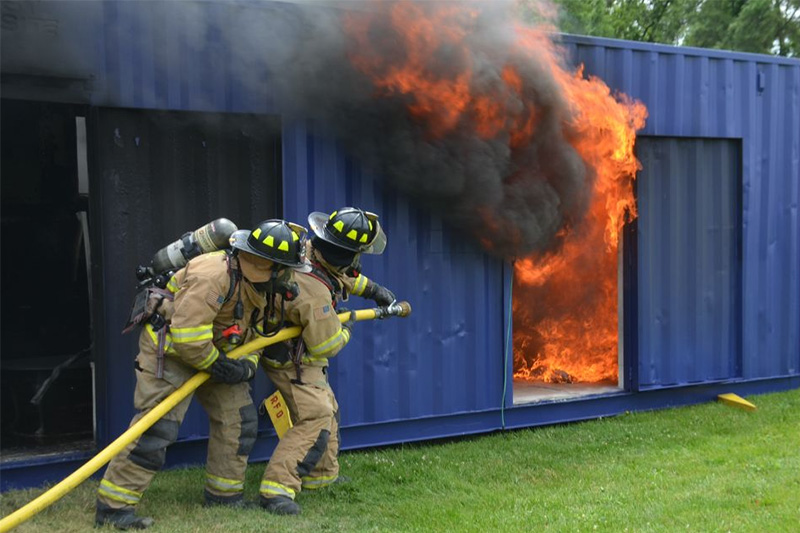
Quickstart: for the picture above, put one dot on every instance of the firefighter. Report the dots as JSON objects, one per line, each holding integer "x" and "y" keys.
{"x": 306, "y": 455}
{"x": 217, "y": 299}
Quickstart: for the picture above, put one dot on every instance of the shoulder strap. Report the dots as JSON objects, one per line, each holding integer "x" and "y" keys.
{"x": 329, "y": 281}
{"x": 235, "y": 276}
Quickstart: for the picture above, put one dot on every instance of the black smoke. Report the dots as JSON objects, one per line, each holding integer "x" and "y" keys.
{"x": 513, "y": 200}
{"x": 298, "y": 55}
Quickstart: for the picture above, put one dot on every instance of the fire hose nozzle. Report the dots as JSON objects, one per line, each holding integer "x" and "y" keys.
{"x": 402, "y": 309}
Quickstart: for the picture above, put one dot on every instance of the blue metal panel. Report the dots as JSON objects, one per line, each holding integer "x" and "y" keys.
{"x": 173, "y": 55}
{"x": 771, "y": 238}
{"x": 688, "y": 260}
{"x": 709, "y": 93}
{"x": 446, "y": 357}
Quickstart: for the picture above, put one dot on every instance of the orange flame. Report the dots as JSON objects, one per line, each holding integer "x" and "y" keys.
{"x": 573, "y": 337}
{"x": 439, "y": 100}
{"x": 565, "y": 301}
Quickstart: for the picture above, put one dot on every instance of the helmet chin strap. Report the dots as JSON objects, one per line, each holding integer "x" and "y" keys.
{"x": 275, "y": 286}
{"x": 266, "y": 287}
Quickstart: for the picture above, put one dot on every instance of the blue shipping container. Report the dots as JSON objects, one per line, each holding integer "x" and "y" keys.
{"x": 712, "y": 275}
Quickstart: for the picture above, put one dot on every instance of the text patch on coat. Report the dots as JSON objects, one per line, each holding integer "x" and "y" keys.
{"x": 322, "y": 312}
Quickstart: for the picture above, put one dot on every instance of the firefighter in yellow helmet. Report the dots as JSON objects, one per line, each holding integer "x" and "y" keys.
{"x": 306, "y": 455}
{"x": 216, "y": 299}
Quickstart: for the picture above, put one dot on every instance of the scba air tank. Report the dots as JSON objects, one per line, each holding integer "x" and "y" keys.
{"x": 213, "y": 236}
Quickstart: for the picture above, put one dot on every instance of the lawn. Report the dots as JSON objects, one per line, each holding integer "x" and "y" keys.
{"x": 703, "y": 468}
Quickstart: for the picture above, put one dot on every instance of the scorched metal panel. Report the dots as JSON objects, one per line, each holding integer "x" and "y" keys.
{"x": 156, "y": 176}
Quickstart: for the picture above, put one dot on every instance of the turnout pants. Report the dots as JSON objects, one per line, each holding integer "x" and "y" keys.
{"x": 233, "y": 426}
{"x": 307, "y": 455}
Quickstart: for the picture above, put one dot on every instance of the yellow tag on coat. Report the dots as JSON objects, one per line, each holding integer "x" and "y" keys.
{"x": 278, "y": 413}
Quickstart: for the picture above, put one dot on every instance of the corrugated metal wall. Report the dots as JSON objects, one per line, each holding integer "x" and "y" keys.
{"x": 160, "y": 55}
{"x": 447, "y": 356}
{"x": 713, "y": 94}
{"x": 688, "y": 227}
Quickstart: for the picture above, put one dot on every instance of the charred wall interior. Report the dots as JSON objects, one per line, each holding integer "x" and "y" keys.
{"x": 159, "y": 174}
{"x": 154, "y": 176}
{"x": 46, "y": 352}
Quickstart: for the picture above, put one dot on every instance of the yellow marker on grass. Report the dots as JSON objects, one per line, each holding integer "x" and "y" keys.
{"x": 736, "y": 401}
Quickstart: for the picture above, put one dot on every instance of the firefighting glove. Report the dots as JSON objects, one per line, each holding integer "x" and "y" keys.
{"x": 231, "y": 371}
{"x": 381, "y": 295}
{"x": 351, "y": 319}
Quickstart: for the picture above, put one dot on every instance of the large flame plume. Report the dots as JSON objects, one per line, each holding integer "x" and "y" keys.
{"x": 479, "y": 118}
{"x": 458, "y": 107}
{"x": 565, "y": 305}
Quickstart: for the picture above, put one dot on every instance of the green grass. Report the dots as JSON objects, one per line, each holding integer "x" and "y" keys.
{"x": 704, "y": 468}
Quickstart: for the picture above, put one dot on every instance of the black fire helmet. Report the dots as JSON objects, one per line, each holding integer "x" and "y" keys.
{"x": 350, "y": 228}
{"x": 277, "y": 240}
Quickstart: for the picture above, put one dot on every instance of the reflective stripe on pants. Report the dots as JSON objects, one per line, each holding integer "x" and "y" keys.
{"x": 313, "y": 408}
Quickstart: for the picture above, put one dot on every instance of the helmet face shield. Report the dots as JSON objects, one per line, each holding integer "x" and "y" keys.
{"x": 349, "y": 228}
{"x": 378, "y": 244}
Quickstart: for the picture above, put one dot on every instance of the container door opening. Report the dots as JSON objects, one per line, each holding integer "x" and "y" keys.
{"x": 567, "y": 306}
{"x": 567, "y": 326}
{"x": 46, "y": 354}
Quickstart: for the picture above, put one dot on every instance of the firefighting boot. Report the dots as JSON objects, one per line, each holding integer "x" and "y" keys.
{"x": 279, "y": 505}
{"x": 236, "y": 501}
{"x": 120, "y": 518}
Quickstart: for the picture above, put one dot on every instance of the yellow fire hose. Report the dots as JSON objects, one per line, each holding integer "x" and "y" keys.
{"x": 95, "y": 463}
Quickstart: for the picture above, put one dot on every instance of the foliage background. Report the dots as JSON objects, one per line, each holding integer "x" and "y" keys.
{"x": 759, "y": 26}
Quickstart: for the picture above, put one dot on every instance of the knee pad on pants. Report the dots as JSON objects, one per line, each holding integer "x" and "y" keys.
{"x": 151, "y": 450}
{"x": 314, "y": 454}
{"x": 249, "y": 432}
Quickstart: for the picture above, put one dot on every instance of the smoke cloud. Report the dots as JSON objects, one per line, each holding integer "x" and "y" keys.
{"x": 484, "y": 142}
{"x": 514, "y": 198}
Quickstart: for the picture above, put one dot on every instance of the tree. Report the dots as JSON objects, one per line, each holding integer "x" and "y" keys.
{"x": 637, "y": 20}
{"x": 761, "y": 26}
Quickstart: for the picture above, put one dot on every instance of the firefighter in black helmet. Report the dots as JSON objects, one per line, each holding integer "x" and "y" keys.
{"x": 306, "y": 455}
{"x": 350, "y": 228}
{"x": 215, "y": 295}
{"x": 339, "y": 240}
{"x": 275, "y": 240}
